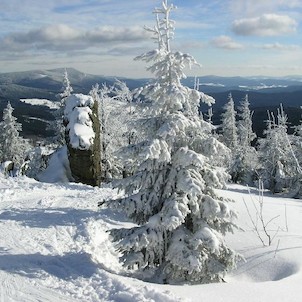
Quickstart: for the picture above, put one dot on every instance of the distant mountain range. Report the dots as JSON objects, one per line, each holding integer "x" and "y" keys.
{"x": 45, "y": 84}
{"x": 260, "y": 83}
{"x": 264, "y": 94}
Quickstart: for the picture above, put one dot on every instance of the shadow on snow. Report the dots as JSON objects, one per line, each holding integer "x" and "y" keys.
{"x": 68, "y": 266}
{"x": 44, "y": 218}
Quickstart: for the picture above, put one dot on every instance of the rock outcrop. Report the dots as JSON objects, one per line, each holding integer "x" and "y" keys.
{"x": 83, "y": 138}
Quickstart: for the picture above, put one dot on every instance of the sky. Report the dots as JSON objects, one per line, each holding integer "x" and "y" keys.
{"x": 227, "y": 37}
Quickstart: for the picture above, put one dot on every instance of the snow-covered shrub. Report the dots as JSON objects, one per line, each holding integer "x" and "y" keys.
{"x": 181, "y": 222}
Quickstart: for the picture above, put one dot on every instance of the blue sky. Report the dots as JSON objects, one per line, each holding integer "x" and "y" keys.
{"x": 227, "y": 37}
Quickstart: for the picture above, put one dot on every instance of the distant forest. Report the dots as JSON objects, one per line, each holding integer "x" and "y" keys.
{"x": 47, "y": 84}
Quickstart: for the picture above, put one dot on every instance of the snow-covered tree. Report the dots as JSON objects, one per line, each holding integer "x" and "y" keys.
{"x": 295, "y": 140}
{"x": 67, "y": 88}
{"x": 129, "y": 113}
{"x": 245, "y": 162}
{"x": 229, "y": 128}
{"x": 210, "y": 115}
{"x": 245, "y": 124}
{"x": 279, "y": 164}
{"x": 181, "y": 222}
{"x": 38, "y": 159}
{"x": 12, "y": 146}
{"x": 115, "y": 113}
{"x": 57, "y": 125}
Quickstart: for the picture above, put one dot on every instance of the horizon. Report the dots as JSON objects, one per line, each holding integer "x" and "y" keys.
{"x": 259, "y": 76}
{"x": 97, "y": 37}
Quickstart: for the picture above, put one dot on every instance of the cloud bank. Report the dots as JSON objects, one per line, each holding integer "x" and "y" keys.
{"x": 265, "y": 25}
{"x": 63, "y": 37}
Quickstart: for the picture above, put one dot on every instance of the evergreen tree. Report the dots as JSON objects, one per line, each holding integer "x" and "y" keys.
{"x": 115, "y": 113}
{"x": 245, "y": 124}
{"x": 181, "y": 222}
{"x": 58, "y": 125}
{"x": 245, "y": 160}
{"x": 13, "y": 147}
{"x": 229, "y": 128}
{"x": 295, "y": 190}
{"x": 67, "y": 88}
{"x": 279, "y": 165}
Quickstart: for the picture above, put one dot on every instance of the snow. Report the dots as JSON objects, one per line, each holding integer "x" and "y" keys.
{"x": 36, "y": 119}
{"x": 262, "y": 86}
{"x": 58, "y": 169}
{"x": 212, "y": 84}
{"x": 41, "y": 102}
{"x": 77, "y": 112}
{"x": 54, "y": 247}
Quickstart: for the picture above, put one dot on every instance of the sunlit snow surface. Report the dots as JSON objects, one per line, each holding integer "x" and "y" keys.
{"x": 41, "y": 102}
{"x": 54, "y": 247}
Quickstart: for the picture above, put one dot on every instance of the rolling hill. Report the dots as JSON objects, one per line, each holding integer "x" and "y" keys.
{"x": 264, "y": 94}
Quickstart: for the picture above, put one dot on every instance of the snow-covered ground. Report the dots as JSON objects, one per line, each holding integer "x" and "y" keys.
{"x": 54, "y": 247}
{"x": 41, "y": 102}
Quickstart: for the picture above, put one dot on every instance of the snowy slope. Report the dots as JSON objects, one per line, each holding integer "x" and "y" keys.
{"x": 54, "y": 247}
{"x": 47, "y": 235}
{"x": 271, "y": 273}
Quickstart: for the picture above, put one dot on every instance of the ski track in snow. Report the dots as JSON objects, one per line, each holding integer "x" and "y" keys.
{"x": 54, "y": 246}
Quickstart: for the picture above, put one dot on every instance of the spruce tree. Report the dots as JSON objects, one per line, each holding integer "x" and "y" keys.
{"x": 245, "y": 124}
{"x": 295, "y": 190}
{"x": 115, "y": 113}
{"x": 279, "y": 164}
{"x": 180, "y": 221}
{"x": 229, "y": 128}
{"x": 58, "y": 125}
{"x": 245, "y": 161}
{"x": 13, "y": 147}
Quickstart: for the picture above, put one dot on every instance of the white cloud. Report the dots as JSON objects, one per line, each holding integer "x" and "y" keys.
{"x": 265, "y": 25}
{"x": 81, "y": 14}
{"x": 59, "y": 32}
{"x": 63, "y": 37}
{"x": 226, "y": 43}
{"x": 281, "y": 47}
{"x": 257, "y": 7}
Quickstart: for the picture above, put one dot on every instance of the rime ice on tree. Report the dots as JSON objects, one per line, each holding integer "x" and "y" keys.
{"x": 12, "y": 146}
{"x": 181, "y": 222}
{"x": 280, "y": 166}
{"x": 116, "y": 115}
{"x": 57, "y": 125}
{"x": 229, "y": 129}
{"x": 245, "y": 159}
